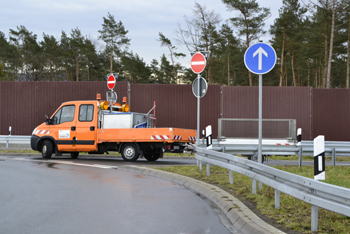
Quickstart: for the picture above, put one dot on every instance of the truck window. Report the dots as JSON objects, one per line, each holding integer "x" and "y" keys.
{"x": 86, "y": 113}
{"x": 65, "y": 114}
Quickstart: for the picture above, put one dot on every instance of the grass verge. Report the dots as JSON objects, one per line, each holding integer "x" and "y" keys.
{"x": 308, "y": 158}
{"x": 293, "y": 214}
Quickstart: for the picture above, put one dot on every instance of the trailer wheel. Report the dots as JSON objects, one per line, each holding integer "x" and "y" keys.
{"x": 74, "y": 155}
{"x": 47, "y": 149}
{"x": 130, "y": 152}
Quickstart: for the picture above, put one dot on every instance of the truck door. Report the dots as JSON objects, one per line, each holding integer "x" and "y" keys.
{"x": 63, "y": 128}
{"x": 86, "y": 128}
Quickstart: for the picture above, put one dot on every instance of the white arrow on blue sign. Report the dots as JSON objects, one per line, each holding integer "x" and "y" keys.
{"x": 260, "y": 58}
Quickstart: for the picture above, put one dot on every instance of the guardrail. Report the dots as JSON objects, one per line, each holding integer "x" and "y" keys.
{"x": 17, "y": 139}
{"x": 305, "y": 148}
{"x": 318, "y": 194}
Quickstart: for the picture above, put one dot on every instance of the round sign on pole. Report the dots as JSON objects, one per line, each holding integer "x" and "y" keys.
{"x": 111, "y": 82}
{"x": 203, "y": 87}
{"x": 260, "y": 58}
{"x": 198, "y": 63}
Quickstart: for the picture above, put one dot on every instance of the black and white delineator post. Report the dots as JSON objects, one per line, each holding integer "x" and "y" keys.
{"x": 208, "y": 134}
{"x": 319, "y": 159}
{"x": 299, "y": 137}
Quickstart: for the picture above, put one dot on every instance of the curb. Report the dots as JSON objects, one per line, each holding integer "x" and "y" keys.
{"x": 239, "y": 215}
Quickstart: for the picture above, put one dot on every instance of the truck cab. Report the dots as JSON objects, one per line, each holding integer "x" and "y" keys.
{"x": 71, "y": 129}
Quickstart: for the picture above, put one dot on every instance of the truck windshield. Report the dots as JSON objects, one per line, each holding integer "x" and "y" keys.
{"x": 65, "y": 114}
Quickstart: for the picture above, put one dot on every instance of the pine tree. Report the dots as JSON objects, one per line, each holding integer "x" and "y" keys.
{"x": 250, "y": 22}
{"x": 114, "y": 35}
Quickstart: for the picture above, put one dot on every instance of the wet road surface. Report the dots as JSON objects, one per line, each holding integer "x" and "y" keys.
{"x": 39, "y": 196}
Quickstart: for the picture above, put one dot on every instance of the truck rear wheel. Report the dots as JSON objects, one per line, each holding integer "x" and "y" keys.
{"x": 154, "y": 156}
{"x": 130, "y": 152}
{"x": 74, "y": 155}
{"x": 151, "y": 157}
{"x": 47, "y": 149}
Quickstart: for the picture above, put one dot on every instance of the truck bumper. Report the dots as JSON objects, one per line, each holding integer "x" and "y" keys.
{"x": 34, "y": 142}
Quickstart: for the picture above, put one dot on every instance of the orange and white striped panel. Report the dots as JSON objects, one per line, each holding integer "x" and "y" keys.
{"x": 43, "y": 132}
{"x": 177, "y": 137}
{"x": 192, "y": 138}
{"x": 160, "y": 137}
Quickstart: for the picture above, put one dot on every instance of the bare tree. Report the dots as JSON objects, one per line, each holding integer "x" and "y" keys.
{"x": 198, "y": 35}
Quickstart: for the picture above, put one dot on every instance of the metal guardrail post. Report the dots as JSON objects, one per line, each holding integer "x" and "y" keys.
{"x": 230, "y": 175}
{"x": 300, "y": 161}
{"x": 208, "y": 169}
{"x": 254, "y": 186}
{"x": 330, "y": 197}
{"x": 277, "y": 199}
{"x": 333, "y": 156}
{"x": 314, "y": 218}
{"x": 200, "y": 165}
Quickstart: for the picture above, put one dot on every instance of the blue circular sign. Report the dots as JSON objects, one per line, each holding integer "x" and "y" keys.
{"x": 260, "y": 58}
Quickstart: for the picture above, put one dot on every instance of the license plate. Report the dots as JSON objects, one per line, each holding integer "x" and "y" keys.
{"x": 176, "y": 147}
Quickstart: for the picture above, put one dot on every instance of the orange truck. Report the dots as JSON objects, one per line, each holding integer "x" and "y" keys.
{"x": 98, "y": 127}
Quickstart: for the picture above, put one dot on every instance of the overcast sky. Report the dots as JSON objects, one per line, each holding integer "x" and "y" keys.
{"x": 143, "y": 19}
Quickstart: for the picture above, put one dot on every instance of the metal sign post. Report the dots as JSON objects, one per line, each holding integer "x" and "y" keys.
{"x": 198, "y": 63}
{"x": 260, "y": 58}
{"x": 260, "y": 120}
{"x": 199, "y": 89}
{"x": 198, "y": 111}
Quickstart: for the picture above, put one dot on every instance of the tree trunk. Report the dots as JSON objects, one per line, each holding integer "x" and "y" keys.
{"x": 348, "y": 60}
{"x": 228, "y": 68}
{"x": 23, "y": 67}
{"x": 293, "y": 72}
{"x": 77, "y": 67}
{"x": 282, "y": 58}
{"x": 308, "y": 72}
{"x": 330, "y": 50}
{"x": 172, "y": 61}
{"x": 325, "y": 61}
{"x": 111, "y": 61}
{"x": 88, "y": 73}
{"x": 249, "y": 73}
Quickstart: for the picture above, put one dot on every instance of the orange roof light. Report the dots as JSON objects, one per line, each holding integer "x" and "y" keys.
{"x": 98, "y": 96}
{"x": 125, "y": 107}
{"x": 124, "y": 99}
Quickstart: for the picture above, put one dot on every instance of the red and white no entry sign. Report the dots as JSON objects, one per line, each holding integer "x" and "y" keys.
{"x": 111, "y": 82}
{"x": 198, "y": 63}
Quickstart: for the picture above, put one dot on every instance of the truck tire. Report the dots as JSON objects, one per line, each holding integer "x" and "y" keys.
{"x": 158, "y": 153}
{"x": 74, "y": 155}
{"x": 130, "y": 152}
{"x": 255, "y": 158}
{"x": 47, "y": 149}
{"x": 152, "y": 157}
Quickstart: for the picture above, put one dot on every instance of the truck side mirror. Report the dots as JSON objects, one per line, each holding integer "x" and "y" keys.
{"x": 47, "y": 119}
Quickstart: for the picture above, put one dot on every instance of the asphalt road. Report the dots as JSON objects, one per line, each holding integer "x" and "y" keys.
{"x": 64, "y": 196}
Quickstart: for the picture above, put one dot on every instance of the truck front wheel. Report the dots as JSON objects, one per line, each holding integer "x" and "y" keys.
{"x": 130, "y": 152}
{"x": 47, "y": 149}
